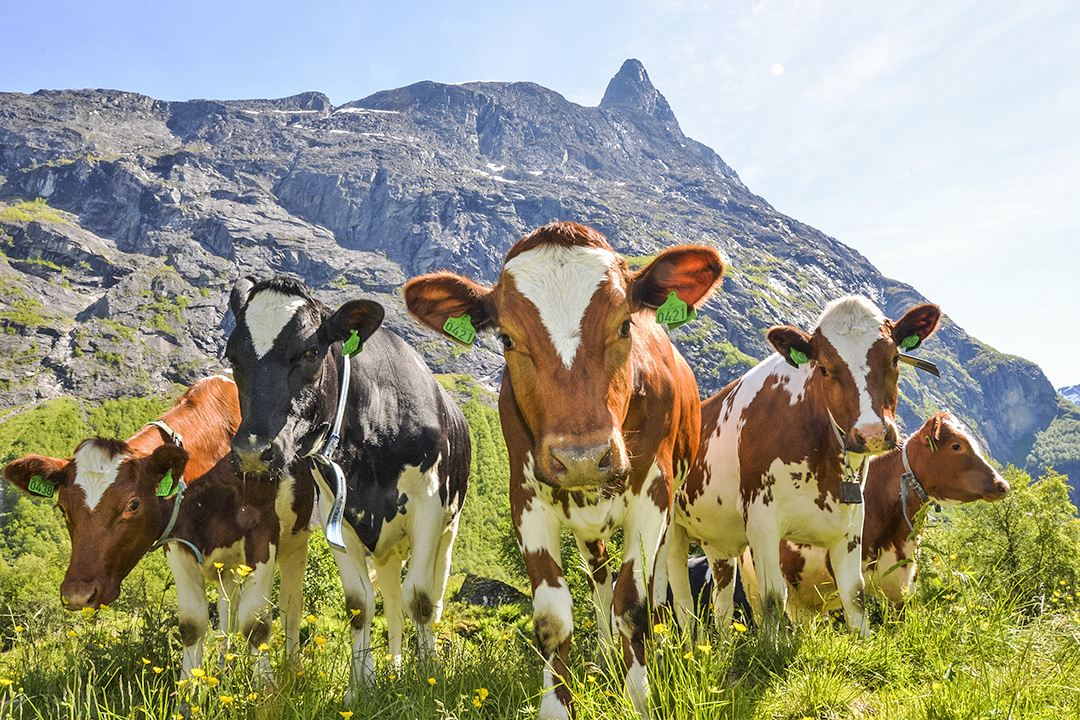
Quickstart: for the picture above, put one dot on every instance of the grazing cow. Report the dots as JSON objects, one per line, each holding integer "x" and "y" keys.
{"x": 946, "y": 465}
{"x": 403, "y": 456}
{"x": 120, "y": 499}
{"x": 782, "y": 448}
{"x": 600, "y": 415}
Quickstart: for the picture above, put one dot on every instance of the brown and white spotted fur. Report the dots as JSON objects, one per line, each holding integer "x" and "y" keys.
{"x": 948, "y": 463}
{"x": 107, "y": 494}
{"x": 601, "y": 419}
{"x": 770, "y": 462}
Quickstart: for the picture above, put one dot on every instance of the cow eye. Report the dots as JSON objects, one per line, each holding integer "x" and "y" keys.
{"x": 132, "y": 506}
{"x": 624, "y": 329}
{"x": 824, "y": 372}
{"x": 507, "y": 341}
{"x": 896, "y": 360}
{"x": 956, "y": 446}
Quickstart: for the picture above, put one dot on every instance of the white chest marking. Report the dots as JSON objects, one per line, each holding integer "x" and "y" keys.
{"x": 560, "y": 282}
{"x": 267, "y": 315}
{"x": 95, "y": 472}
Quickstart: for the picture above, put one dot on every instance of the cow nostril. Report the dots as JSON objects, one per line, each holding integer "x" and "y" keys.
{"x": 605, "y": 462}
{"x": 557, "y": 466}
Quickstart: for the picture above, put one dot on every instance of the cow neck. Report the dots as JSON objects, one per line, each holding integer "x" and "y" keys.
{"x": 324, "y": 457}
{"x": 851, "y": 484}
{"x": 909, "y": 483}
{"x": 181, "y": 486}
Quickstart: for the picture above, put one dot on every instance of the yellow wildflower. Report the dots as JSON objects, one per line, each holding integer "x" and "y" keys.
{"x": 345, "y": 714}
{"x": 659, "y": 628}
{"x": 311, "y": 619}
{"x": 226, "y": 700}
{"x": 263, "y": 647}
{"x": 198, "y": 672}
{"x": 320, "y": 640}
{"x": 158, "y": 670}
{"x": 704, "y": 648}
{"x": 738, "y": 627}
{"x": 6, "y": 681}
{"x": 252, "y": 697}
{"x": 689, "y": 655}
{"x": 432, "y": 681}
{"x": 483, "y": 693}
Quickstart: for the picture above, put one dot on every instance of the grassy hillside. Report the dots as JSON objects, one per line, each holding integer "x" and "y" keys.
{"x": 993, "y": 632}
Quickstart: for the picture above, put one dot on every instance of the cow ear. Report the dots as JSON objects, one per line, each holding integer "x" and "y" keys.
{"x": 689, "y": 271}
{"x": 241, "y": 292}
{"x": 441, "y": 301}
{"x": 166, "y": 463}
{"x": 917, "y": 324}
{"x": 361, "y": 316}
{"x": 37, "y": 474}
{"x": 792, "y": 344}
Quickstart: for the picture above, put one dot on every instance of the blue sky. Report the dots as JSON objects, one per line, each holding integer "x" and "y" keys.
{"x": 940, "y": 139}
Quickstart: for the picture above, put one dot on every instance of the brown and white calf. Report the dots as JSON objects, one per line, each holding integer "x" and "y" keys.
{"x": 778, "y": 446}
{"x": 118, "y": 498}
{"x": 946, "y": 464}
{"x": 600, "y": 414}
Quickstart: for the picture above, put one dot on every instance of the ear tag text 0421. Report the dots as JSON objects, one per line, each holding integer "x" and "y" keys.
{"x": 351, "y": 346}
{"x": 674, "y": 312}
{"x": 461, "y": 329}
{"x": 40, "y": 486}
{"x": 166, "y": 488}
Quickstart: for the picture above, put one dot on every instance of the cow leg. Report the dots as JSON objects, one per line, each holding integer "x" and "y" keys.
{"x": 846, "y": 559}
{"x": 723, "y": 592}
{"x": 193, "y": 611}
{"x": 553, "y": 608}
{"x": 764, "y": 540}
{"x": 595, "y": 555}
{"x": 360, "y": 606}
{"x": 418, "y": 592}
{"x": 388, "y": 572}
{"x": 632, "y": 599}
{"x": 254, "y": 614}
{"x": 442, "y": 564}
{"x": 678, "y": 551}
{"x": 292, "y": 560}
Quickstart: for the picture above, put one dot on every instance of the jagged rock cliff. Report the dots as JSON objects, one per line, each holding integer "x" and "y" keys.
{"x": 117, "y": 282}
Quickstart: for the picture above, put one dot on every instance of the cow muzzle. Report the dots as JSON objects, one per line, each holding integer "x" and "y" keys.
{"x": 871, "y": 438}
{"x": 583, "y": 466}
{"x": 82, "y": 595}
{"x": 253, "y": 457}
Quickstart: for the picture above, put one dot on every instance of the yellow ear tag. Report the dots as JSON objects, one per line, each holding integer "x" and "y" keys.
{"x": 40, "y": 486}
{"x": 461, "y": 329}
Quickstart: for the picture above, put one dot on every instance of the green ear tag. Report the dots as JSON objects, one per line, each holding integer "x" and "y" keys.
{"x": 461, "y": 329}
{"x": 40, "y": 486}
{"x": 910, "y": 342}
{"x": 674, "y": 312}
{"x": 352, "y": 345}
{"x": 798, "y": 357}
{"x": 165, "y": 487}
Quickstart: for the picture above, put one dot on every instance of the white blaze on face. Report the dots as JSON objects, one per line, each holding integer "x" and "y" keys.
{"x": 95, "y": 471}
{"x": 852, "y": 325}
{"x": 560, "y": 282}
{"x": 267, "y": 315}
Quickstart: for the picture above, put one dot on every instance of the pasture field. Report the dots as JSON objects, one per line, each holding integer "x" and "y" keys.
{"x": 992, "y": 632}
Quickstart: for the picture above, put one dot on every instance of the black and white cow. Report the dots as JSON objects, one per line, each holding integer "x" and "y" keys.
{"x": 404, "y": 447}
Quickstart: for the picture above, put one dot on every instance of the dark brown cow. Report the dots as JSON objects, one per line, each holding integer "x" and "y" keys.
{"x": 600, "y": 415}
{"x": 118, "y": 498}
{"x": 781, "y": 451}
{"x": 947, "y": 465}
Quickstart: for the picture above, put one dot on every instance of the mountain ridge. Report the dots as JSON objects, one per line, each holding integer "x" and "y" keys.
{"x": 162, "y": 205}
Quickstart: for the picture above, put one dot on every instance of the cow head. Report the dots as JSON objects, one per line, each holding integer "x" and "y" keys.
{"x": 950, "y": 465}
{"x": 111, "y": 508}
{"x": 286, "y": 376}
{"x": 570, "y": 313}
{"x": 852, "y": 358}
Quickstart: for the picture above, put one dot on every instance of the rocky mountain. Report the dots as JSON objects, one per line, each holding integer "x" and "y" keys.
{"x": 1072, "y": 394}
{"x": 125, "y": 220}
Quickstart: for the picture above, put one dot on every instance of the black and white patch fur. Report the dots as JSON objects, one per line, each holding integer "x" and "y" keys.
{"x": 404, "y": 450}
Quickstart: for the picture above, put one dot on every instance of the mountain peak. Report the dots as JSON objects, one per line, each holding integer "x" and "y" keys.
{"x": 631, "y": 88}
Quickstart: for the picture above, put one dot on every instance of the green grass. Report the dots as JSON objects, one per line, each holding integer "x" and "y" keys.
{"x": 30, "y": 210}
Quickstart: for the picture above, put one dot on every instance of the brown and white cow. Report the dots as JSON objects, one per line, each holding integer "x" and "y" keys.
{"x": 778, "y": 444}
{"x": 947, "y": 466}
{"x": 117, "y": 508}
{"x": 600, "y": 414}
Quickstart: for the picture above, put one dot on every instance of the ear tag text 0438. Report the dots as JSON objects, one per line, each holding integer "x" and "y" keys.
{"x": 911, "y": 342}
{"x": 351, "y": 346}
{"x": 798, "y": 357}
{"x": 674, "y": 312}
{"x": 166, "y": 487}
{"x": 40, "y": 486}
{"x": 461, "y": 329}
